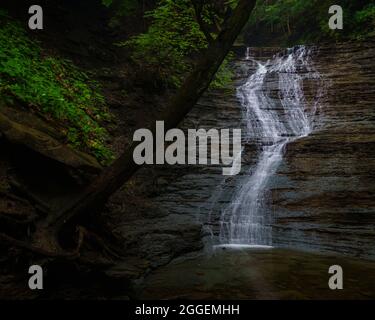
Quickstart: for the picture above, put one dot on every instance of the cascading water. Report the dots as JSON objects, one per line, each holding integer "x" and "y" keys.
{"x": 271, "y": 124}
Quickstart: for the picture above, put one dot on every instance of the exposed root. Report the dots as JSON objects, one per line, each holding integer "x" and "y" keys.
{"x": 38, "y": 203}
{"x": 4, "y": 218}
{"x": 101, "y": 243}
{"x": 40, "y": 251}
{"x": 54, "y": 250}
{"x": 13, "y": 197}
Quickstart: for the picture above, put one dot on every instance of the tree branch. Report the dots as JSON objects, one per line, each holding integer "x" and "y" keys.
{"x": 114, "y": 177}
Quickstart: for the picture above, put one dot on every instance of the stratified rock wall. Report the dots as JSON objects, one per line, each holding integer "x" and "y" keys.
{"x": 323, "y": 194}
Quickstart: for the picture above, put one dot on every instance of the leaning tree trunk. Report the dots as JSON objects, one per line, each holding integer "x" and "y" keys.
{"x": 113, "y": 177}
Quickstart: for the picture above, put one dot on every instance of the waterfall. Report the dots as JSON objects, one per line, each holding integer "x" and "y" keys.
{"x": 271, "y": 123}
{"x": 248, "y": 54}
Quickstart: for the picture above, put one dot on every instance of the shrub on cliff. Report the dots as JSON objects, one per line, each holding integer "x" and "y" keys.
{"x": 301, "y": 21}
{"x": 173, "y": 40}
{"x": 53, "y": 87}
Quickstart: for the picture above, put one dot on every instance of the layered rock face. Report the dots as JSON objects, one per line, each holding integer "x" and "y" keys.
{"x": 172, "y": 204}
{"x": 322, "y": 194}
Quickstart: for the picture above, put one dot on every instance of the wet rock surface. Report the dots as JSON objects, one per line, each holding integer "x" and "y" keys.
{"x": 20, "y": 127}
{"x": 169, "y": 205}
{"x": 322, "y": 196}
{"x": 33, "y": 151}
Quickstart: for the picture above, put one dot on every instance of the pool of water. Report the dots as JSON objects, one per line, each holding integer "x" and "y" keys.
{"x": 258, "y": 273}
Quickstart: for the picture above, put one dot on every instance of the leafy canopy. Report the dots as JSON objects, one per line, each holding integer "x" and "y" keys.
{"x": 173, "y": 38}
{"x": 308, "y": 20}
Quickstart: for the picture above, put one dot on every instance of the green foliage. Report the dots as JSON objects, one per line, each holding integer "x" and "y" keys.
{"x": 124, "y": 5}
{"x": 365, "y": 21}
{"x": 173, "y": 38}
{"x": 54, "y": 87}
{"x": 107, "y": 3}
{"x": 304, "y": 21}
{"x": 122, "y": 9}
{"x": 224, "y": 75}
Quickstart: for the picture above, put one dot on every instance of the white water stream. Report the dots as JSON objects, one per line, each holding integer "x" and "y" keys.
{"x": 271, "y": 123}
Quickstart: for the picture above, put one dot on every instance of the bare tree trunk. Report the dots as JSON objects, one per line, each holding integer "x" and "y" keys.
{"x": 112, "y": 178}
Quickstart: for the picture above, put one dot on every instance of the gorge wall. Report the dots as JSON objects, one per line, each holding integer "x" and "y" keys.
{"x": 322, "y": 195}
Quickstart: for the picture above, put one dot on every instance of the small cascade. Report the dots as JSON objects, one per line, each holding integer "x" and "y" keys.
{"x": 248, "y": 53}
{"x": 271, "y": 123}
